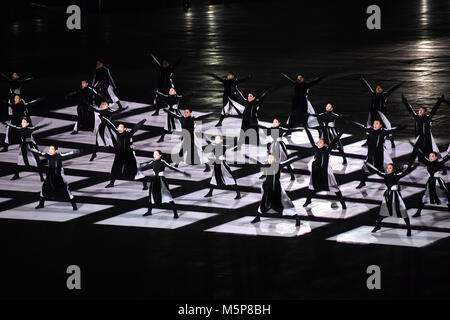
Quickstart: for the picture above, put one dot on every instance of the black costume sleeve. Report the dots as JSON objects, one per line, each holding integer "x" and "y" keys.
{"x": 264, "y": 94}
{"x": 436, "y": 106}
{"x": 335, "y": 140}
{"x": 287, "y": 78}
{"x": 66, "y": 155}
{"x": 173, "y": 114}
{"x": 243, "y": 79}
{"x": 176, "y": 169}
{"x": 137, "y": 126}
{"x": 4, "y": 76}
{"x": 37, "y": 152}
{"x": 31, "y": 103}
{"x": 146, "y": 165}
{"x": 12, "y": 126}
{"x": 374, "y": 170}
{"x": 314, "y": 82}
{"x": 203, "y": 116}
{"x": 216, "y": 77}
{"x": 289, "y": 161}
{"x": 108, "y": 123}
{"x": 392, "y": 89}
{"x": 311, "y": 139}
{"x": 156, "y": 60}
{"x": 359, "y": 125}
{"x": 408, "y": 106}
{"x": 35, "y": 128}
{"x": 367, "y": 84}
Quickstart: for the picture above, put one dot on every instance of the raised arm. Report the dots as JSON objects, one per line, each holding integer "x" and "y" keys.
{"x": 410, "y": 168}
{"x": 173, "y": 114}
{"x": 137, "y": 126}
{"x": 155, "y": 60}
{"x": 314, "y": 82}
{"x": 177, "y": 63}
{"x": 216, "y": 77}
{"x": 264, "y": 94}
{"x": 161, "y": 94}
{"x": 287, "y": 78}
{"x": 203, "y": 116}
{"x": 436, "y": 106}
{"x": 108, "y": 123}
{"x": 359, "y": 125}
{"x": 97, "y": 94}
{"x": 369, "y": 88}
{"x": 392, "y": 89}
{"x": 36, "y": 128}
{"x": 374, "y": 170}
{"x": 335, "y": 140}
{"x": 66, "y": 155}
{"x": 408, "y": 106}
{"x": 394, "y": 129}
{"x": 33, "y": 102}
{"x": 310, "y": 138}
{"x": 243, "y": 79}
{"x": 37, "y": 152}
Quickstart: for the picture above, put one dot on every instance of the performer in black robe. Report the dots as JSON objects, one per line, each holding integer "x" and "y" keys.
{"x": 25, "y": 157}
{"x": 221, "y": 174}
{"x": 322, "y": 177}
{"x": 424, "y": 137}
{"x": 15, "y": 84}
{"x": 191, "y": 151}
{"x": 276, "y": 146}
{"x": 55, "y": 186}
{"x": 273, "y": 195}
{"x": 436, "y": 189}
{"x": 165, "y": 81}
{"x": 104, "y": 135}
{"x": 327, "y": 128}
{"x": 19, "y": 112}
{"x": 85, "y": 103}
{"x": 301, "y": 106}
{"x": 249, "y": 125}
{"x": 230, "y": 104}
{"x": 104, "y": 85}
{"x": 378, "y": 109}
{"x": 170, "y": 101}
{"x": 377, "y": 154}
{"x": 159, "y": 191}
{"x": 124, "y": 166}
{"x": 393, "y": 204}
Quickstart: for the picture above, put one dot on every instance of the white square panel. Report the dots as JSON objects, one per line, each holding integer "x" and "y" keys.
{"x": 389, "y": 236}
{"x": 125, "y": 190}
{"x": 53, "y": 211}
{"x": 220, "y": 199}
{"x": 428, "y": 218}
{"x": 160, "y": 218}
{"x": 332, "y": 209}
{"x": 273, "y": 227}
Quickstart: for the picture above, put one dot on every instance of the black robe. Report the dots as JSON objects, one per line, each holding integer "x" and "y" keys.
{"x": 101, "y": 82}
{"x": 327, "y": 126}
{"x": 26, "y": 142}
{"x": 85, "y": 112}
{"x": 221, "y": 174}
{"x": 230, "y": 88}
{"x": 435, "y": 187}
{"x": 299, "y": 113}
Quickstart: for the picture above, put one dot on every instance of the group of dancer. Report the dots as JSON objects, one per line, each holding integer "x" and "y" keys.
{"x": 98, "y": 106}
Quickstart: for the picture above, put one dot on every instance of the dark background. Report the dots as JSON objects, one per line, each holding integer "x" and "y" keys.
{"x": 262, "y": 38}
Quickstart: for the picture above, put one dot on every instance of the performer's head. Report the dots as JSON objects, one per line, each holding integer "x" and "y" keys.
{"x": 329, "y": 107}
{"x": 172, "y": 91}
{"x": 17, "y": 99}
{"x": 218, "y": 139}
{"x": 157, "y": 154}
{"x": 300, "y": 78}
{"x": 84, "y": 83}
{"x": 25, "y": 123}
{"x": 321, "y": 143}
{"x": 389, "y": 168}
{"x": 378, "y": 89}
{"x": 271, "y": 158}
{"x": 276, "y": 122}
{"x": 99, "y": 64}
{"x": 14, "y": 76}
{"x": 230, "y": 75}
{"x": 433, "y": 156}
{"x": 165, "y": 63}
{"x": 187, "y": 112}
{"x": 52, "y": 150}
{"x": 104, "y": 105}
{"x": 121, "y": 128}
{"x": 250, "y": 97}
{"x": 377, "y": 124}
{"x": 422, "y": 111}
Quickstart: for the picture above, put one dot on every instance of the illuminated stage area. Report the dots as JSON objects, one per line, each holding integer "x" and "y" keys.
{"x": 213, "y": 250}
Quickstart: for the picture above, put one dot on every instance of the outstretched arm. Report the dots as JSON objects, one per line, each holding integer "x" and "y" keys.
{"x": 8, "y": 124}
{"x": 244, "y": 79}
{"x": 264, "y": 94}
{"x": 392, "y": 89}
{"x": 394, "y": 129}
{"x": 359, "y": 125}
{"x": 436, "y": 106}
{"x": 173, "y": 114}
{"x": 287, "y": 78}
{"x": 289, "y": 161}
{"x": 108, "y": 123}
{"x": 33, "y": 102}
{"x": 98, "y": 94}
{"x": 176, "y": 169}
{"x": 367, "y": 84}
{"x": 335, "y": 140}
{"x": 253, "y": 160}
{"x": 137, "y": 126}
{"x": 408, "y": 106}
{"x": 156, "y": 60}
{"x": 146, "y": 165}
{"x": 374, "y": 170}
{"x": 314, "y": 82}
{"x": 35, "y": 128}
{"x": 216, "y": 77}
{"x": 410, "y": 168}
{"x": 4, "y": 76}
{"x": 37, "y": 152}
{"x": 203, "y": 116}
{"x": 161, "y": 94}
{"x": 310, "y": 137}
